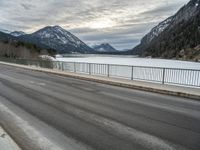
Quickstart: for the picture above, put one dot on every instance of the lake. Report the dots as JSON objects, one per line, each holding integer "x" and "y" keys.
{"x": 130, "y": 60}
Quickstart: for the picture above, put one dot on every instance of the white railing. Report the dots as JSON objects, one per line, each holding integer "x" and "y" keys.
{"x": 186, "y": 77}
{"x": 177, "y": 76}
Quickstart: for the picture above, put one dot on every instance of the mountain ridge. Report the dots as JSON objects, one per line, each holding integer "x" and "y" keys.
{"x": 17, "y": 33}
{"x": 181, "y": 33}
{"x": 52, "y": 37}
{"x": 104, "y": 47}
{"x": 57, "y": 38}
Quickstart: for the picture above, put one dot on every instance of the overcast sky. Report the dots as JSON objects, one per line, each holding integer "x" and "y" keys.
{"x": 122, "y": 23}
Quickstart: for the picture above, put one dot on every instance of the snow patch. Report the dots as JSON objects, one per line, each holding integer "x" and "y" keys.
{"x": 17, "y": 33}
{"x": 158, "y": 29}
{"x": 58, "y": 56}
{"x": 47, "y": 57}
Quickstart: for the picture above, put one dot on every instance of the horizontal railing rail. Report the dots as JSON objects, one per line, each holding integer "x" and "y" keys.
{"x": 129, "y": 65}
{"x": 177, "y": 76}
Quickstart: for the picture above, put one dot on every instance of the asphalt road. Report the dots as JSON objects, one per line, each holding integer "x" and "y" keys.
{"x": 75, "y": 114}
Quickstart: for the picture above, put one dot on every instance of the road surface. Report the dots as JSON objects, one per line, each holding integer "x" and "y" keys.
{"x": 44, "y": 111}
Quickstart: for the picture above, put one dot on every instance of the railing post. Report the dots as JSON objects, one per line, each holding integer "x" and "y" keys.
{"x": 57, "y": 63}
{"x": 62, "y": 66}
{"x": 163, "y": 76}
{"x": 108, "y": 73}
{"x": 90, "y": 72}
{"x": 132, "y": 73}
{"x": 74, "y": 66}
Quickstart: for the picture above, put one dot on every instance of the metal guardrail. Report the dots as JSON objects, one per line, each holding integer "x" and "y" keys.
{"x": 177, "y": 76}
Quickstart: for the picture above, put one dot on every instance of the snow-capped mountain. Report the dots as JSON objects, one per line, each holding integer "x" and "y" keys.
{"x": 4, "y": 31}
{"x": 17, "y": 33}
{"x": 6, "y": 36}
{"x": 105, "y": 47}
{"x": 14, "y": 33}
{"x": 55, "y": 37}
{"x": 178, "y": 32}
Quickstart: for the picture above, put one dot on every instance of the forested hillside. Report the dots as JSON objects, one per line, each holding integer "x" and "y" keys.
{"x": 177, "y": 37}
{"x": 13, "y": 48}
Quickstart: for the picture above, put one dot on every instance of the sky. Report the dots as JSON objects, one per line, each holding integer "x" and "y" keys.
{"x": 122, "y": 23}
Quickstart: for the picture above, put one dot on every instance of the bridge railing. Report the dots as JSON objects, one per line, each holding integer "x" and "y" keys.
{"x": 176, "y": 76}
{"x": 187, "y": 77}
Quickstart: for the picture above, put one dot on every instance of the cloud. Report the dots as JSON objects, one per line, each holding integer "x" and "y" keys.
{"x": 27, "y": 6}
{"x": 121, "y": 23}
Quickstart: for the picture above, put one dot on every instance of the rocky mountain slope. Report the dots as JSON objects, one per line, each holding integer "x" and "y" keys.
{"x": 176, "y": 37}
{"x": 57, "y": 38}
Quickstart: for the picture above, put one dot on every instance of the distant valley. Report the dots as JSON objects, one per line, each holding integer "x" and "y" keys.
{"x": 177, "y": 37}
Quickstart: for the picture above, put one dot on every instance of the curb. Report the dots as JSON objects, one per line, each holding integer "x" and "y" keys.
{"x": 172, "y": 93}
{"x": 114, "y": 83}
